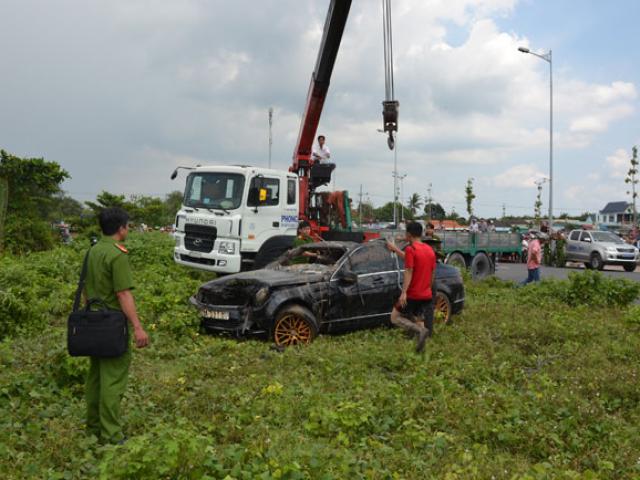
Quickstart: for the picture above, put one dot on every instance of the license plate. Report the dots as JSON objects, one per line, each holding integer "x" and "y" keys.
{"x": 215, "y": 314}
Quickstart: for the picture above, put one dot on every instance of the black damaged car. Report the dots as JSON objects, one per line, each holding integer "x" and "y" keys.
{"x": 344, "y": 286}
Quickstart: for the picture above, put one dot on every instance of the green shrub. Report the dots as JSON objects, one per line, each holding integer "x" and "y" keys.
{"x": 589, "y": 288}
{"x": 25, "y": 234}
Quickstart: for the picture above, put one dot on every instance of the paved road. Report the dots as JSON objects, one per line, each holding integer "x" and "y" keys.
{"x": 518, "y": 272}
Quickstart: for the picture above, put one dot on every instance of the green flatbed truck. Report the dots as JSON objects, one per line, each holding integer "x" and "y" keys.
{"x": 477, "y": 251}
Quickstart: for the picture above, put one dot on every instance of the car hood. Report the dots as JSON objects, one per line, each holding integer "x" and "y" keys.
{"x": 614, "y": 245}
{"x": 295, "y": 275}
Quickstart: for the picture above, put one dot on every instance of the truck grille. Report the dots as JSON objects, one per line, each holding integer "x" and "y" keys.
{"x": 625, "y": 250}
{"x": 202, "y": 261}
{"x": 199, "y": 238}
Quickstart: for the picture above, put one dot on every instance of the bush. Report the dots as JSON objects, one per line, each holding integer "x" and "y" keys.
{"x": 589, "y": 288}
{"x": 24, "y": 234}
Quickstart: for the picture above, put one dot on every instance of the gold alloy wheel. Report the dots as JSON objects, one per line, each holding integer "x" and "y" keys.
{"x": 442, "y": 308}
{"x": 292, "y": 329}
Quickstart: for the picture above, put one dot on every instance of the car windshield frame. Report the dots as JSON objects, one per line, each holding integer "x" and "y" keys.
{"x": 218, "y": 186}
{"x": 601, "y": 237}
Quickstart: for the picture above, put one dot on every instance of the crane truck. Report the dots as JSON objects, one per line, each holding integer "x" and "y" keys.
{"x": 242, "y": 217}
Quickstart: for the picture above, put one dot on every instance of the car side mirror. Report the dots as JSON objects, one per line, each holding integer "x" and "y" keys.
{"x": 347, "y": 277}
{"x": 588, "y": 240}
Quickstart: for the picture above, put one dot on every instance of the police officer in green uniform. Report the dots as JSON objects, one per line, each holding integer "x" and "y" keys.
{"x": 109, "y": 279}
{"x": 433, "y": 240}
{"x": 303, "y": 237}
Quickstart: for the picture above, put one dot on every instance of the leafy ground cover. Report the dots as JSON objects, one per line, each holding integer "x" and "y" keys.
{"x": 529, "y": 383}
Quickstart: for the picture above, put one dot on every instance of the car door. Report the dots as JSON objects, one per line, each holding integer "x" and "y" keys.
{"x": 584, "y": 248}
{"x": 265, "y": 214}
{"x": 368, "y": 300}
{"x": 573, "y": 246}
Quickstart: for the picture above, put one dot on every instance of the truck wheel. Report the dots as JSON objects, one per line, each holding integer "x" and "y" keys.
{"x": 442, "y": 308}
{"x": 480, "y": 266}
{"x": 630, "y": 268}
{"x": 456, "y": 259}
{"x": 596, "y": 262}
{"x": 271, "y": 250}
{"x": 294, "y": 325}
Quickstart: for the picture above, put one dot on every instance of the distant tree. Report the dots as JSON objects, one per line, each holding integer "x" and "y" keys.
{"x": 385, "y": 213}
{"x": 63, "y": 207}
{"x": 434, "y": 211}
{"x": 632, "y": 180}
{"x": 537, "y": 206}
{"x": 469, "y": 196}
{"x": 414, "y": 203}
{"x": 29, "y": 185}
{"x": 173, "y": 202}
{"x": 108, "y": 200}
{"x": 367, "y": 212}
{"x": 150, "y": 210}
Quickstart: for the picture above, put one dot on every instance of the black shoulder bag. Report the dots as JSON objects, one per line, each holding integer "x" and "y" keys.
{"x": 95, "y": 333}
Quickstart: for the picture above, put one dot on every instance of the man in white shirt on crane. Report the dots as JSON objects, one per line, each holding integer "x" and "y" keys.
{"x": 321, "y": 152}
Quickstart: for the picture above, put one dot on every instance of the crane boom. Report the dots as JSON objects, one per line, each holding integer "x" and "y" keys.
{"x": 320, "y": 79}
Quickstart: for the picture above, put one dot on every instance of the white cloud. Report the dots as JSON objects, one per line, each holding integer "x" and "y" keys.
{"x": 605, "y": 185}
{"x": 618, "y": 163}
{"x": 518, "y": 176}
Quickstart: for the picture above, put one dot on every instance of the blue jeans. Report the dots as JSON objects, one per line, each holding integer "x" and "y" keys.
{"x": 532, "y": 276}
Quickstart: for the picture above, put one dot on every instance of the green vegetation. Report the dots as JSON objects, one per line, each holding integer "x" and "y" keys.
{"x": 28, "y": 186}
{"x": 529, "y": 383}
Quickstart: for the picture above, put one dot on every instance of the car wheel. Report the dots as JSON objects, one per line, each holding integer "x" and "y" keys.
{"x": 596, "y": 262}
{"x": 456, "y": 259}
{"x": 630, "y": 268}
{"x": 442, "y": 308}
{"x": 294, "y": 325}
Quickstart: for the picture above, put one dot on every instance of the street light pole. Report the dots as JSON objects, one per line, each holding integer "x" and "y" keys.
{"x": 548, "y": 57}
{"x": 401, "y": 178}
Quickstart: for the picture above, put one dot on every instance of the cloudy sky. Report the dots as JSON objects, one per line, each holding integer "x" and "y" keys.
{"x": 122, "y": 91}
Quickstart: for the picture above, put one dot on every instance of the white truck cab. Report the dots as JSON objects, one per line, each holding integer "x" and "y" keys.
{"x": 236, "y": 217}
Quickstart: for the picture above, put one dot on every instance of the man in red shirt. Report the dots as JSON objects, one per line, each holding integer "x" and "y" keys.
{"x": 534, "y": 258}
{"x": 415, "y": 304}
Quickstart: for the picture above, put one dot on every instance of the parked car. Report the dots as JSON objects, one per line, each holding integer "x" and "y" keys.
{"x": 597, "y": 248}
{"x": 348, "y": 286}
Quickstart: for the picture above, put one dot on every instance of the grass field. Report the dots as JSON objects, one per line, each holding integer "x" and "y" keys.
{"x": 534, "y": 383}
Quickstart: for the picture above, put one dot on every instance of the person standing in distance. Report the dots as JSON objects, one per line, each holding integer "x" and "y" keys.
{"x": 321, "y": 153}
{"x": 415, "y": 304}
{"x": 534, "y": 258}
{"x": 109, "y": 279}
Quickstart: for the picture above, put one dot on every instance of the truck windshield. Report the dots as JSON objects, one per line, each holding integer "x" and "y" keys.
{"x": 214, "y": 190}
{"x": 606, "y": 237}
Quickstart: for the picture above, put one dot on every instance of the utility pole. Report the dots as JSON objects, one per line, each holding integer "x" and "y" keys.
{"x": 360, "y": 205}
{"x": 402, "y": 177}
{"x": 430, "y": 200}
{"x": 270, "y": 133}
{"x": 504, "y": 210}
